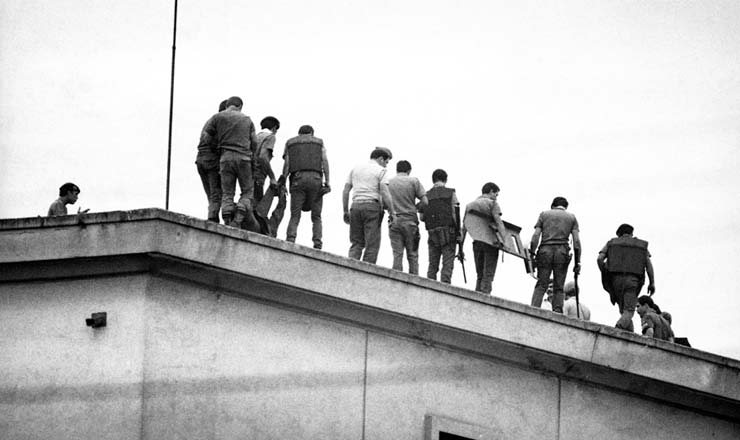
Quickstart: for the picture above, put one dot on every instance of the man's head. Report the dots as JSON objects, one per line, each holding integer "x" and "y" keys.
{"x": 403, "y": 166}
{"x": 625, "y": 229}
{"x": 305, "y": 129}
{"x": 69, "y": 192}
{"x": 569, "y": 289}
{"x": 644, "y": 304}
{"x": 439, "y": 175}
{"x": 222, "y": 106}
{"x": 559, "y": 201}
{"x": 235, "y": 101}
{"x": 490, "y": 188}
{"x": 270, "y": 123}
{"x": 381, "y": 155}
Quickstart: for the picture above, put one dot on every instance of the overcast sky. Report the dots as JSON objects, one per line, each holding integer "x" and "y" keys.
{"x": 630, "y": 109}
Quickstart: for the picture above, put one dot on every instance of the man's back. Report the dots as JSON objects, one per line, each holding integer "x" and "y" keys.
{"x": 405, "y": 190}
{"x": 57, "y": 208}
{"x": 556, "y": 225}
{"x": 570, "y": 309}
{"x": 365, "y": 179}
{"x": 232, "y": 130}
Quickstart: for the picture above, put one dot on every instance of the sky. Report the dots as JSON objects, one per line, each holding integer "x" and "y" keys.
{"x": 629, "y": 109}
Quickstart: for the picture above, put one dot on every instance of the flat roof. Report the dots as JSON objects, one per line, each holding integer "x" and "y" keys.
{"x": 378, "y": 298}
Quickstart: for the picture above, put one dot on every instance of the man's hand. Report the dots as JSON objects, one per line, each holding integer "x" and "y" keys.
{"x": 651, "y": 289}
{"x": 80, "y": 211}
{"x": 346, "y": 217}
{"x": 325, "y": 189}
{"x": 577, "y": 269}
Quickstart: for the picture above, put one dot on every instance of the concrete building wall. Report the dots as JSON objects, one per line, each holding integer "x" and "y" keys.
{"x": 58, "y": 378}
{"x": 181, "y": 360}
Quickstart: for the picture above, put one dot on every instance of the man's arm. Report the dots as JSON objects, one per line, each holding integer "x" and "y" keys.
{"x": 535, "y": 240}
{"x": 499, "y": 223}
{"x": 385, "y": 194}
{"x": 266, "y": 156}
{"x": 286, "y": 163}
{"x": 345, "y": 201}
{"x": 651, "y": 277}
{"x": 253, "y": 142}
{"x": 576, "y": 251}
{"x": 601, "y": 261}
{"x": 325, "y": 166}
{"x": 210, "y": 130}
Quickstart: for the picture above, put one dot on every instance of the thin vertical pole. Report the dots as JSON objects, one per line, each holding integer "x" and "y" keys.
{"x": 172, "y": 95}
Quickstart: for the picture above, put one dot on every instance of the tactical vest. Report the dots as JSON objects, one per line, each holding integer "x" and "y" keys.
{"x": 627, "y": 255}
{"x": 439, "y": 210}
{"x": 304, "y": 153}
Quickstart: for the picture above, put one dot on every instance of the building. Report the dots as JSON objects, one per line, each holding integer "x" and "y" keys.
{"x": 217, "y": 333}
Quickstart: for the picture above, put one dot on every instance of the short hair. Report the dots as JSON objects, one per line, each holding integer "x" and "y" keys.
{"x": 235, "y": 101}
{"x": 381, "y": 152}
{"x": 305, "y": 129}
{"x": 439, "y": 175}
{"x": 403, "y": 166}
{"x": 624, "y": 228}
{"x": 67, "y": 187}
{"x": 644, "y": 299}
{"x": 223, "y": 105}
{"x": 270, "y": 123}
{"x": 488, "y": 187}
{"x": 559, "y": 201}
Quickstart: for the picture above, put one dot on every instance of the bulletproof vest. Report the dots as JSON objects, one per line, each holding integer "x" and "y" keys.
{"x": 439, "y": 210}
{"x": 304, "y": 153}
{"x": 627, "y": 255}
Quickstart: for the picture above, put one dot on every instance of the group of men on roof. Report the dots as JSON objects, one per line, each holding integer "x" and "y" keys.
{"x": 230, "y": 151}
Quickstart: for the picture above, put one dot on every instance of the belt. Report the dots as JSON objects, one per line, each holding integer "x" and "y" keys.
{"x": 366, "y": 201}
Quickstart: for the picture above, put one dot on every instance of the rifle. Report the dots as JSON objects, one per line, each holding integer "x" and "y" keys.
{"x": 461, "y": 257}
{"x": 578, "y": 303}
{"x": 460, "y": 252}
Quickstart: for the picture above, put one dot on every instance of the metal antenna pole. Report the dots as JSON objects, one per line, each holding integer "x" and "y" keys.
{"x": 172, "y": 94}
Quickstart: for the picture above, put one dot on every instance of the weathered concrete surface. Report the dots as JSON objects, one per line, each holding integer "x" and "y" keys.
{"x": 223, "y": 353}
{"x": 60, "y": 380}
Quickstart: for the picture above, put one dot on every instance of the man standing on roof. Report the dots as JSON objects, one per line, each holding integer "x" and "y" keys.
{"x": 368, "y": 183}
{"x": 487, "y": 240}
{"x": 442, "y": 227}
{"x": 308, "y": 168}
{"x": 404, "y": 231}
{"x": 235, "y": 136}
{"x": 264, "y": 152}
{"x": 206, "y": 162}
{"x": 623, "y": 262}
{"x": 553, "y": 254}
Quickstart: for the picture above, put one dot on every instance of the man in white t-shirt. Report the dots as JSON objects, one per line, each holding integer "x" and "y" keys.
{"x": 368, "y": 183}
